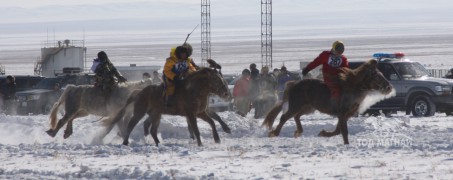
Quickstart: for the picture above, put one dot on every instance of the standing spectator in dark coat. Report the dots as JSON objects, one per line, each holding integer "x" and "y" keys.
{"x": 156, "y": 78}
{"x": 254, "y": 82}
{"x": 267, "y": 81}
{"x": 8, "y": 93}
{"x": 267, "y": 97}
{"x": 282, "y": 78}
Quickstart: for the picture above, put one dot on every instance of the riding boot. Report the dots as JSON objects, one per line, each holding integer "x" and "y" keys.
{"x": 169, "y": 100}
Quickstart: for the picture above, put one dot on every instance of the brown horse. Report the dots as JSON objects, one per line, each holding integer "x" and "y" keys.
{"x": 80, "y": 101}
{"x": 192, "y": 100}
{"x": 308, "y": 95}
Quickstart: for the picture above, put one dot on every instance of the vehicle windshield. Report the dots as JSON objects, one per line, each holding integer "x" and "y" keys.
{"x": 47, "y": 83}
{"x": 411, "y": 70}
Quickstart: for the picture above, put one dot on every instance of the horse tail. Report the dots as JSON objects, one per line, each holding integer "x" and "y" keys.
{"x": 288, "y": 85}
{"x": 272, "y": 114}
{"x": 56, "y": 105}
{"x": 109, "y": 122}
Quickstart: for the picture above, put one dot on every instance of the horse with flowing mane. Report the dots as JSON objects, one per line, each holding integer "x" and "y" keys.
{"x": 308, "y": 95}
{"x": 80, "y": 101}
{"x": 192, "y": 101}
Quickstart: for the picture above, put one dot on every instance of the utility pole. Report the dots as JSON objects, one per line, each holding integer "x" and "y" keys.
{"x": 266, "y": 33}
{"x": 205, "y": 31}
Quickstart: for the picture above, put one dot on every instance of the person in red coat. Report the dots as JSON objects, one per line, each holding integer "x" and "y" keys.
{"x": 331, "y": 61}
{"x": 241, "y": 93}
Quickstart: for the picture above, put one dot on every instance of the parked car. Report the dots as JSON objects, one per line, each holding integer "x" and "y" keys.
{"x": 416, "y": 91}
{"x": 41, "y": 98}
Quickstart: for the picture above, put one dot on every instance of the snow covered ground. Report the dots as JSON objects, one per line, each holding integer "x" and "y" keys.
{"x": 397, "y": 147}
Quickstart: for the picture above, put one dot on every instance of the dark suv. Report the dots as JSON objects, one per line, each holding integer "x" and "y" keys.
{"x": 41, "y": 98}
{"x": 416, "y": 91}
{"x": 23, "y": 82}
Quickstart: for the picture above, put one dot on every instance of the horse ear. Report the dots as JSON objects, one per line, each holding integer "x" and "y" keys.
{"x": 373, "y": 63}
{"x": 213, "y": 64}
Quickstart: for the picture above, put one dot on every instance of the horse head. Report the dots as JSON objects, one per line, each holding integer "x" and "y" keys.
{"x": 219, "y": 85}
{"x": 209, "y": 78}
{"x": 366, "y": 77}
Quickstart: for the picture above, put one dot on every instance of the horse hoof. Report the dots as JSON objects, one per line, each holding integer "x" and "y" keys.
{"x": 227, "y": 130}
{"x": 272, "y": 134}
{"x": 297, "y": 134}
{"x": 322, "y": 133}
{"x": 217, "y": 141}
{"x": 126, "y": 143}
{"x": 51, "y": 133}
{"x": 66, "y": 135}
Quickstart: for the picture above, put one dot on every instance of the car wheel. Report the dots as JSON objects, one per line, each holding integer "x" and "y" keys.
{"x": 387, "y": 113}
{"x": 371, "y": 113}
{"x": 449, "y": 113}
{"x": 423, "y": 106}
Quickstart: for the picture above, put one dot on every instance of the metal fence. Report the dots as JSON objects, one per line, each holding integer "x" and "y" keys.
{"x": 438, "y": 73}
{"x": 66, "y": 43}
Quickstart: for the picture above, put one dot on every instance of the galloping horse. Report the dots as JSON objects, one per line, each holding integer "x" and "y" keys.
{"x": 80, "y": 101}
{"x": 192, "y": 99}
{"x": 308, "y": 95}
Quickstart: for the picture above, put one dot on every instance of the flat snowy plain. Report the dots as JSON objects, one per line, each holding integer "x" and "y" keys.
{"x": 396, "y": 147}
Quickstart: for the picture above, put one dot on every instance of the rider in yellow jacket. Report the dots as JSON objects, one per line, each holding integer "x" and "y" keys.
{"x": 176, "y": 68}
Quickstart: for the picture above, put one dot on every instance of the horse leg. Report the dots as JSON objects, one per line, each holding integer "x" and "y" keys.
{"x": 139, "y": 112}
{"x": 216, "y": 117}
{"x": 147, "y": 126}
{"x": 189, "y": 127}
{"x": 290, "y": 113}
{"x": 208, "y": 119}
{"x": 155, "y": 118}
{"x": 140, "y": 108}
{"x": 60, "y": 124}
{"x": 193, "y": 124}
{"x": 337, "y": 130}
{"x": 344, "y": 130}
{"x": 98, "y": 139}
{"x": 68, "y": 131}
{"x": 299, "y": 129}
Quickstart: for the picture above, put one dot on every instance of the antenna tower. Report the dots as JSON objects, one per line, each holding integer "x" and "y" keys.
{"x": 266, "y": 33}
{"x": 205, "y": 31}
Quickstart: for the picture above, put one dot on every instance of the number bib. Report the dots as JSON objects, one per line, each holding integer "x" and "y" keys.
{"x": 335, "y": 61}
{"x": 181, "y": 67}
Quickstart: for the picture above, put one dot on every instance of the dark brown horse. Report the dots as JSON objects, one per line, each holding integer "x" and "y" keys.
{"x": 192, "y": 100}
{"x": 308, "y": 95}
